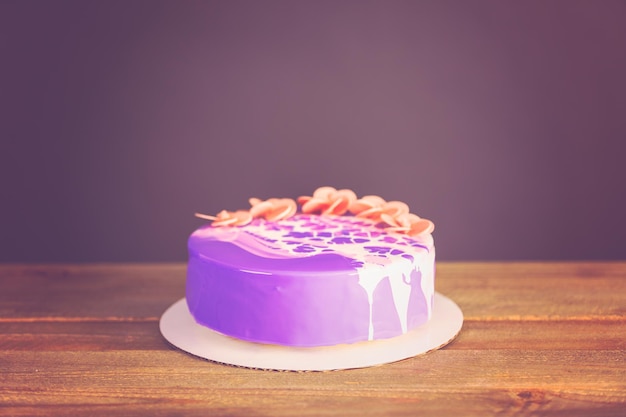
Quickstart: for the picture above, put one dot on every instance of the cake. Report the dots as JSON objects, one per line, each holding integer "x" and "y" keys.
{"x": 337, "y": 270}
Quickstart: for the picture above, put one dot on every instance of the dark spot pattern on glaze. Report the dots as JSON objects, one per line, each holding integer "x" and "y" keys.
{"x": 304, "y": 249}
{"x": 311, "y": 234}
{"x": 340, "y": 240}
{"x": 299, "y": 235}
{"x": 377, "y": 249}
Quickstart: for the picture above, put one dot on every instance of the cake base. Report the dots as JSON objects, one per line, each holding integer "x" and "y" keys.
{"x": 180, "y": 329}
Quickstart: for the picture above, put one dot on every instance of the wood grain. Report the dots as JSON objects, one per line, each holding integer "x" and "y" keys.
{"x": 538, "y": 339}
{"x": 127, "y": 379}
{"x": 144, "y": 335}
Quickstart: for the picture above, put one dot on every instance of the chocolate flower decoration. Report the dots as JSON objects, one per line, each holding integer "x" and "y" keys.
{"x": 228, "y": 218}
{"x": 408, "y": 223}
{"x": 394, "y": 216}
{"x": 327, "y": 200}
{"x": 273, "y": 209}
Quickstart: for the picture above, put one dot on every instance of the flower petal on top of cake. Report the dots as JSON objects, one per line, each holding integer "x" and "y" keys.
{"x": 242, "y": 217}
{"x": 324, "y": 193}
{"x": 315, "y": 205}
{"x": 421, "y": 227}
{"x": 303, "y": 199}
{"x": 260, "y": 208}
{"x": 224, "y": 218}
{"x": 319, "y": 202}
{"x": 375, "y": 200}
{"x": 293, "y": 206}
{"x": 395, "y": 208}
{"x": 389, "y": 220}
{"x": 347, "y": 193}
{"x": 283, "y": 209}
{"x": 333, "y": 205}
{"x": 372, "y": 213}
{"x": 340, "y": 202}
{"x": 398, "y": 229}
{"x": 359, "y": 206}
{"x": 407, "y": 219}
{"x": 365, "y": 203}
{"x": 327, "y": 200}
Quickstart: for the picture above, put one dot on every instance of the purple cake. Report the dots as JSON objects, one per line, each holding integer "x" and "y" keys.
{"x": 310, "y": 279}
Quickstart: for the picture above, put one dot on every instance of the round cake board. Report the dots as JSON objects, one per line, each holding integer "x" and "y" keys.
{"x": 180, "y": 329}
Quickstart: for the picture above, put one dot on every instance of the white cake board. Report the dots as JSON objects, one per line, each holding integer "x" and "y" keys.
{"x": 180, "y": 329}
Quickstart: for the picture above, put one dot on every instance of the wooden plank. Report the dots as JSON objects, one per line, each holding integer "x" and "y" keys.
{"x": 119, "y": 335}
{"x": 484, "y": 291}
{"x": 542, "y": 335}
{"x": 500, "y": 402}
{"x": 82, "y": 336}
{"x": 107, "y": 291}
{"x": 536, "y": 291}
{"x": 469, "y": 382}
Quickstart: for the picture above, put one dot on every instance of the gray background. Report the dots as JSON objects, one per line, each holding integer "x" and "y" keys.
{"x": 503, "y": 122}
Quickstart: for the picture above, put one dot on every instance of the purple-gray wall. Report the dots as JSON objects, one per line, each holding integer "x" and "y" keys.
{"x": 502, "y": 121}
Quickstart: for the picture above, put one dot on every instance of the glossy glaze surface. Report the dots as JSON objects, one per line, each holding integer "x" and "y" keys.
{"x": 309, "y": 280}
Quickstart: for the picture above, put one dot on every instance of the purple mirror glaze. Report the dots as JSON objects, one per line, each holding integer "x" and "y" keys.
{"x": 309, "y": 281}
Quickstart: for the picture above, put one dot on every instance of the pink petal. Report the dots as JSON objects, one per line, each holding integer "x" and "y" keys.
{"x": 342, "y": 206}
{"x": 223, "y": 215}
{"x": 205, "y": 216}
{"x": 285, "y": 208}
{"x": 242, "y": 218}
{"x": 423, "y": 226}
{"x": 359, "y": 206}
{"x": 260, "y": 209}
{"x": 346, "y": 193}
{"x": 293, "y": 208}
{"x": 374, "y": 200}
{"x": 303, "y": 199}
{"x": 330, "y": 209}
{"x": 407, "y": 219}
{"x": 397, "y": 229}
{"x": 324, "y": 192}
{"x": 387, "y": 219}
{"x": 314, "y": 204}
{"x": 372, "y": 213}
{"x": 226, "y": 222}
{"x": 395, "y": 208}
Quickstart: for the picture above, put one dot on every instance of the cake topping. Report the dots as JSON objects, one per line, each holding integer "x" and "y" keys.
{"x": 228, "y": 218}
{"x": 328, "y": 200}
{"x": 273, "y": 209}
{"x": 393, "y": 216}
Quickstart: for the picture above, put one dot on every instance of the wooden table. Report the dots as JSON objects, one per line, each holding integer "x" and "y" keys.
{"x": 538, "y": 339}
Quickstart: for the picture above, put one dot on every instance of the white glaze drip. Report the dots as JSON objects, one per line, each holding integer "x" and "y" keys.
{"x": 369, "y": 278}
{"x": 399, "y": 275}
{"x": 370, "y": 299}
{"x": 401, "y": 290}
{"x": 428, "y": 281}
